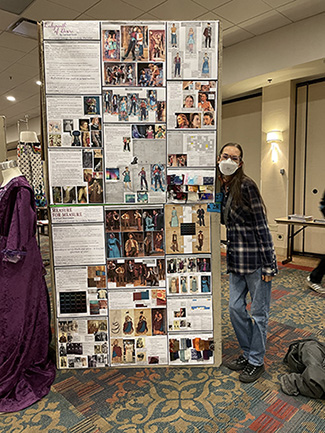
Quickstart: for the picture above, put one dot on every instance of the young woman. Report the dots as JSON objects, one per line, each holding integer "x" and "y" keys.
{"x": 188, "y": 102}
{"x": 251, "y": 261}
{"x": 195, "y": 120}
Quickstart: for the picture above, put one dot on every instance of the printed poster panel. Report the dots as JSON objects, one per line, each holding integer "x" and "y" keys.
{"x": 190, "y": 314}
{"x": 191, "y": 349}
{"x": 74, "y": 121}
{"x": 135, "y": 160}
{"x": 138, "y": 326}
{"x": 134, "y": 105}
{"x": 139, "y": 350}
{"x": 76, "y": 176}
{"x": 81, "y": 291}
{"x": 133, "y": 279}
{"x": 71, "y": 30}
{"x": 191, "y": 149}
{"x": 66, "y": 215}
{"x": 192, "y": 50}
{"x": 83, "y": 343}
{"x": 138, "y": 272}
{"x": 78, "y": 244}
{"x": 187, "y": 229}
{"x": 133, "y": 55}
{"x": 72, "y": 68}
{"x": 190, "y": 185}
{"x": 188, "y": 275}
{"x": 192, "y": 105}
{"x": 135, "y": 233}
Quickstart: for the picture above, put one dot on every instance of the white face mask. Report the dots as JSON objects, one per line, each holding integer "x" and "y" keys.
{"x": 228, "y": 167}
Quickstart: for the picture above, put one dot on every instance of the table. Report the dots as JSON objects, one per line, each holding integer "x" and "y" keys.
{"x": 41, "y": 224}
{"x": 291, "y": 233}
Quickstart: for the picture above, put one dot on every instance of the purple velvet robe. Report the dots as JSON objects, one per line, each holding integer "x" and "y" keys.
{"x": 26, "y": 373}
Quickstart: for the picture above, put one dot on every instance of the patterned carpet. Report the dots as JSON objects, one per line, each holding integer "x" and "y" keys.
{"x": 189, "y": 400}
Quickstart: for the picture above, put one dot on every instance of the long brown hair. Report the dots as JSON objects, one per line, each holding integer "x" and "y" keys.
{"x": 238, "y": 178}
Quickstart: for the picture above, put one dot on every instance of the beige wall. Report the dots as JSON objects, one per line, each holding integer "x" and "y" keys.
{"x": 277, "y": 114}
{"x": 310, "y": 159}
{"x": 247, "y": 122}
{"x": 242, "y": 122}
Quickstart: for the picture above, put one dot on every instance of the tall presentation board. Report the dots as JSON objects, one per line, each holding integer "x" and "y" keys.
{"x": 130, "y": 117}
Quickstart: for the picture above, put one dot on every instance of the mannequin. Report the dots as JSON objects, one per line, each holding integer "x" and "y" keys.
{"x": 9, "y": 171}
{"x": 28, "y": 137}
{"x": 26, "y": 372}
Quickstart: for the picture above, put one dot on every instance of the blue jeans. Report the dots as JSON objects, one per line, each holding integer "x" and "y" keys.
{"x": 251, "y": 328}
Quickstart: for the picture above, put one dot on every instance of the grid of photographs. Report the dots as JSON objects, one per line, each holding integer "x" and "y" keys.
{"x": 188, "y": 275}
{"x": 192, "y": 50}
{"x": 135, "y": 164}
{"x": 138, "y": 326}
{"x": 191, "y": 349}
{"x": 190, "y": 185}
{"x": 187, "y": 229}
{"x": 134, "y": 105}
{"x": 91, "y": 189}
{"x": 131, "y": 122}
{"x": 141, "y": 272}
{"x": 80, "y": 126}
{"x": 191, "y": 149}
{"x": 134, "y": 55}
{"x": 81, "y": 291}
{"x": 192, "y": 105}
{"x": 133, "y": 233}
{"x": 83, "y": 343}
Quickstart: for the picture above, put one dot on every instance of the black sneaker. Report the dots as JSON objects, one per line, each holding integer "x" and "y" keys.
{"x": 251, "y": 373}
{"x": 237, "y": 364}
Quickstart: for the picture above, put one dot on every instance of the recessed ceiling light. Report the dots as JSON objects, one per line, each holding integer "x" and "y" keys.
{"x": 11, "y": 98}
{"x": 24, "y": 27}
{"x": 39, "y": 83}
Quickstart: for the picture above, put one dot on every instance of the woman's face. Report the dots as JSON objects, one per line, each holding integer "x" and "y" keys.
{"x": 230, "y": 152}
{"x": 207, "y": 119}
{"x": 182, "y": 120}
{"x": 196, "y": 123}
{"x": 203, "y": 97}
{"x": 189, "y": 102}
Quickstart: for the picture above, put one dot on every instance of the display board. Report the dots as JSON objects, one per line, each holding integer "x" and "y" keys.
{"x": 130, "y": 116}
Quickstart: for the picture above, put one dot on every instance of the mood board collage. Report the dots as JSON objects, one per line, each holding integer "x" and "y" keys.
{"x": 131, "y": 125}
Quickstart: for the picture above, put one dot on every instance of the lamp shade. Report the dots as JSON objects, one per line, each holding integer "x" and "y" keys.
{"x": 274, "y": 136}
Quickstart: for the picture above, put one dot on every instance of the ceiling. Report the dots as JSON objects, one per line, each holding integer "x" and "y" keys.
{"x": 19, "y": 68}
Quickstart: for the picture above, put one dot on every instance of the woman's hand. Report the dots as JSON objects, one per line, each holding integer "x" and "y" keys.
{"x": 267, "y": 278}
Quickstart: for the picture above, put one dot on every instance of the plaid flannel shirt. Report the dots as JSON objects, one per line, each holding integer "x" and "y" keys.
{"x": 249, "y": 242}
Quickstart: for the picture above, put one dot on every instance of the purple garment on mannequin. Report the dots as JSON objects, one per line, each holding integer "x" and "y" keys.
{"x": 26, "y": 373}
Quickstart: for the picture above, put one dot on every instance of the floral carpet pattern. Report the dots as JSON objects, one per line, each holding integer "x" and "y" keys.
{"x": 190, "y": 400}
